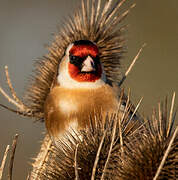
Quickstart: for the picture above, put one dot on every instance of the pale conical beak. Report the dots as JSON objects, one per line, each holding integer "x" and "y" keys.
{"x": 88, "y": 65}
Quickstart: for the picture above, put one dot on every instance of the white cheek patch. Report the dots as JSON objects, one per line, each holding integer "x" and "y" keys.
{"x": 69, "y": 48}
{"x": 67, "y": 106}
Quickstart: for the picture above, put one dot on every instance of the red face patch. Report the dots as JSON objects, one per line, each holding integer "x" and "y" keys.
{"x": 83, "y": 51}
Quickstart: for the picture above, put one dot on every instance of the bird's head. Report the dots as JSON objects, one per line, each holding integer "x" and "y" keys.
{"x": 81, "y": 66}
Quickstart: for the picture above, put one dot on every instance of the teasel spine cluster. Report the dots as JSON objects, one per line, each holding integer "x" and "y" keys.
{"x": 118, "y": 149}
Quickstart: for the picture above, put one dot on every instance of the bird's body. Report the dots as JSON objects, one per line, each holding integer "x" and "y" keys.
{"x": 65, "y": 106}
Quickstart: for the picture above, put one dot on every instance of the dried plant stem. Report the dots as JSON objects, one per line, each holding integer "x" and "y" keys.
{"x": 166, "y": 154}
{"x": 97, "y": 156}
{"x": 134, "y": 60}
{"x": 114, "y": 11}
{"x": 14, "y": 144}
{"x": 131, "y": 65}
{"x": 28, "y": 177}
{"x": 160, "y": 119}
{"x": 9, "y": 98}
{"x": 135, "y": 110}
{"x": 138, "y": 105}
{"x": 98, "y": 10}
{"x": 110, "y": 149}
{"x": 75, "y": 164}
{"x": 171, "y": 114}
{"x": 45, "y": 153}
{"x": 22, "y": 109}
{"x": 11, "y": 87}
{"x": 120, "y": 132}
{"x": 41, "y": 157}
{"x": 4, "y": 161}
{"x": 121, "y": 120}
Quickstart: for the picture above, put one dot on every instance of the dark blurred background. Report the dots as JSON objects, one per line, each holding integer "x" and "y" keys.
{"x": 26, "y": 26}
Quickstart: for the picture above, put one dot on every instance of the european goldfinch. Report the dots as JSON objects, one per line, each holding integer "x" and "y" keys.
{"x": 80, "y": 91}
{"x": 78, "y": 78}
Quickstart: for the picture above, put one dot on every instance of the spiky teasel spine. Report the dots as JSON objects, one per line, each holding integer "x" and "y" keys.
{"x": 92, "y": 21}
{"x": 138, "y": 151}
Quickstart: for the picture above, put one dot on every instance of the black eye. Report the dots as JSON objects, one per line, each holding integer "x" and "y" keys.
{"x": 76, "y": 60}
{"x": 73, "y": 58}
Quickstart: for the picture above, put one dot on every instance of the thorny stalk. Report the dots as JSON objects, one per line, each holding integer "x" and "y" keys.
{"x": 112, "y": 141}
{"x": 22, "y": 109}
{"x": 131, "y": 65}
{"x": 75, "y": 164}
{"x": 165, "y": 155}
{"x": 97, "y": 156}
{"x": 171, "y": 114}
{"x": 4, "y": 161}
{"x": 41, "y": 157}
{"x": 11, "y": 164}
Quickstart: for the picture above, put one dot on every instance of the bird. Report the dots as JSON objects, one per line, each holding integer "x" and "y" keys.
{"x": 79, "y": 76}
{"x": 80, "y": 91}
